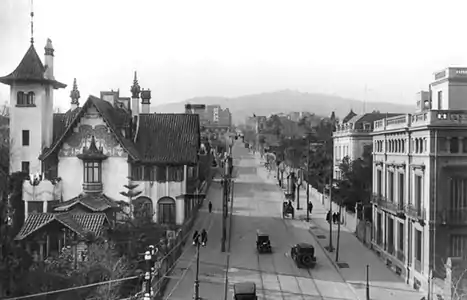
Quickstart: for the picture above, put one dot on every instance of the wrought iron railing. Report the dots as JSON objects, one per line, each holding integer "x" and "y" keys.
{"x": 416, "y": 211}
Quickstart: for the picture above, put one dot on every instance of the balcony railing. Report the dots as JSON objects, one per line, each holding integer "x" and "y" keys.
{"x": 400, "y": 255}
{"x": 416, "y": 211}
{"x": 391, "y": 249}
{"x": 92, "y": 187}
{"x": 453, "y": 216}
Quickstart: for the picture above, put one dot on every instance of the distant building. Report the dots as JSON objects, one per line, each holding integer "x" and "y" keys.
{"x": 351, "y": 137}
{"x": 419, "y": 181}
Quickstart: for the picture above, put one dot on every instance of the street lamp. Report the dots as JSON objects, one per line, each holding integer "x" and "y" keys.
{"x": 199, "y": 240}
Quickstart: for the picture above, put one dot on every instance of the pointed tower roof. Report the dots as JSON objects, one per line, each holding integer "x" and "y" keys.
{"x": 30, "y": 69}
{"x": 74, "y": 94}
{"x": 349, "y": 116}
{"x": 135, "y": 88}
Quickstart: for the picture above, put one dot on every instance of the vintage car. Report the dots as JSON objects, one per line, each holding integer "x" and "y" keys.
{"x": 245, "y": 291}
{"x": 263, "y": 244}
{"x": 287, "y": 210}
{"x": 304, "y": 255}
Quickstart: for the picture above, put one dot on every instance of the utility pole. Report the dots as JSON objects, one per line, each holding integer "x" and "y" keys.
{"x": 308, "y": 181}
{"x": 330, "y": 247}
{"x": 149, "y": 258}
{"x": 199, "y": 240}
{"x": 368, "y": 282}
{"x": 226, "y": 182}
{"x": 338, "y": 232}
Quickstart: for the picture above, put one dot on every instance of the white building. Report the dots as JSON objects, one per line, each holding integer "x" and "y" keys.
{"x": 419, "y": 181}
{"x": 87, "y": 155}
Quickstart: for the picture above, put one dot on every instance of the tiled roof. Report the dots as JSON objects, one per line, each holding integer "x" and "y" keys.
{"x": 94, "y": 202}
{"x": 30, "y": 69}
{"x": 370, "y": 118}
{"x": 168, "y": 138}
{"x": 115, "y": 118}
{"x": 79, "y": 223}
{"x": 349, "y": 116}
{"x": 161, "y": 138}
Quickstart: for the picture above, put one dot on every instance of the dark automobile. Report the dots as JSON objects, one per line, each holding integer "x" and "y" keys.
{"x": 263, "y": 244}
{"x": 304, "y": 255}
{"x": 245, "y": 291}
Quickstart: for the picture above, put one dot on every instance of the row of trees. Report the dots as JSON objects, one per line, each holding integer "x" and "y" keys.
{"x": 292, "y": 143}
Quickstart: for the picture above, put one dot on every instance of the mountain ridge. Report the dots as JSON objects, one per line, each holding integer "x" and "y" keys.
{"x": 286, "y": 101}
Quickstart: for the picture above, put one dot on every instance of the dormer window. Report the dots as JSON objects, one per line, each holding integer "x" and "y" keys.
{"x": 92, "y": 172}
{"x": 23, "y": 99}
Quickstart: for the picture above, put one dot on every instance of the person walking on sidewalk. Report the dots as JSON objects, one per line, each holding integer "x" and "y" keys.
{"x": 334, "y": 218}
{"x": 210, "y": 206}
{"x": 310, "y": 207}
{"x": 328, "y": 216}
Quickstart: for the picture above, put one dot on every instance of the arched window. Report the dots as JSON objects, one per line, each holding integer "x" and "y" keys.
{"x": 20, "y": 98}
{"x": 166, "y": 210}
{"x": 143, "y": 208}
{"x": 30, "y": 99}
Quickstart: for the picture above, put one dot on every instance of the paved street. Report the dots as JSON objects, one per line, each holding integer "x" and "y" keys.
{"x": 181, "y": 285}
{"x": 258, "y": 205}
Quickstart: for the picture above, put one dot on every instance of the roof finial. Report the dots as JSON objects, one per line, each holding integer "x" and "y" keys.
{"x": 74, "y": 95}
{"x": 135, "y": 88}
{"x": 32, "y": 22}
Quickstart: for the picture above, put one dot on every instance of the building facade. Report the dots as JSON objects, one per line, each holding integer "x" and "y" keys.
{"x": 352, "y": 136}
{"x": 83, "y": 162}
{"x": 419, "y": 181}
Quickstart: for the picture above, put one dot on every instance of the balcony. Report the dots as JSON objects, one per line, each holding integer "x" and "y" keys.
{"x": 416, "y": 212}
{"x": 455, "y": 217}
{"x": 350, "y": 131}
{"x": 92, "y": 187}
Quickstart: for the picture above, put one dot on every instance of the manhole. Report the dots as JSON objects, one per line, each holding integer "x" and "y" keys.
{"x": 320, "y": 236}
{"x": 343, "y": 265}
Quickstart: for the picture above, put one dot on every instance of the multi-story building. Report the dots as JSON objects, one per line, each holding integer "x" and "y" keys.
{"x": 419, "y": 181}
{"x": 83, "y": 160}
{"x": 351, "y": 137}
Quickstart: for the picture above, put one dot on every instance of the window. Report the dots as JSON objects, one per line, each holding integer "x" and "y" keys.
{"x": 418, "y": 250}
{"x": 30, "y": 100}
{"x": 418, "y": 191}
{"x": 35, "y": 207}
{"x": 25, "y": 137}
{"x": 136, "y": 172}
{"x": 176, "y": 173}
{"x": 379, "y": 229}
{"x": 161, "y": 173}
{"x": 401, "y": 189}
{"x": 92, "y": 172}
{"x": 400, "y": 243}
{"x": 166, "y": 210}
{"x": 440, "y": 100}
{"x": 454, "y": 145}
{"x": 458, "y": 245}
{"x": 457, "y": 199}
{"x": 390, "y": 193}
{"x": 379, "y": 182}
{"x": 391, "y": 235}
{"x": 20, "y": 98}
{"x": 25, "y": 167}
{"x": 149, "y": 173}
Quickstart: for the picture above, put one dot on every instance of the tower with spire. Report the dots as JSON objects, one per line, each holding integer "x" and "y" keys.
{"x": 135, "y": 91}
{"x": 74, "y": 95}
{"x": 31, "y": 115}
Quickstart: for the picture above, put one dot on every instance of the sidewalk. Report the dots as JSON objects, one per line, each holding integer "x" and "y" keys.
{"x": 353, "y": 258}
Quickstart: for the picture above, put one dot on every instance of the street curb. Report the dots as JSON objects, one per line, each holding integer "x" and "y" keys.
{"x": 334, "y": 264}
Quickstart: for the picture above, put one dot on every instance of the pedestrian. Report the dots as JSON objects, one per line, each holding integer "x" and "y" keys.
{"x": 334, "y": 218}
{"x": 210, "y": 206}
{"x": 204, "y": 237}
{"x": 195, "y": 236}
{"x": 310, "y": 207}
{"x": 328, "y": 216}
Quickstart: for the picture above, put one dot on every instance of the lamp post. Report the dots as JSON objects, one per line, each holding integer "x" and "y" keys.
{"x": 149, "y": 257}
{"x": 199, "y": 240}
{"x": 299, "y": 184}
{"x": 225, "y": 196}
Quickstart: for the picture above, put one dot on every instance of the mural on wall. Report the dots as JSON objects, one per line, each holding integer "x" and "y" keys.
{"x": 104, "y": 138}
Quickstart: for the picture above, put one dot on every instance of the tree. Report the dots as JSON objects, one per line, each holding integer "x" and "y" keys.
{"x": 355, "y": 183}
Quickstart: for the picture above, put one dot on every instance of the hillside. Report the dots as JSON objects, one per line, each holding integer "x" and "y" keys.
{"x": 286, "y": 101}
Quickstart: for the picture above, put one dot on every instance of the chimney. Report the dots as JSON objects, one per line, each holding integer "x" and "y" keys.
{"x": 74, "y": 95}
{"x": 135, "y": 91}
{"x": 145, "y": 101}
{"x": 49, "y": 60}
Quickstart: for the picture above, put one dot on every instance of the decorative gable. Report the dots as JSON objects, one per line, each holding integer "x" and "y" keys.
{"x": 91, "y": 124}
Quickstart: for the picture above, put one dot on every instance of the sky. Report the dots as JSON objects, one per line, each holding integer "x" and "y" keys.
{"x": 184, "y": 49}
